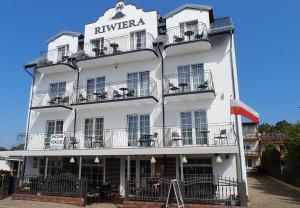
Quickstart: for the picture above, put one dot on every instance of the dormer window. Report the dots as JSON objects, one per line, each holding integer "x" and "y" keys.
{"x": 138, "y": 40}
{"x": 189, "y": 30}
{"x": 98, "y": 46}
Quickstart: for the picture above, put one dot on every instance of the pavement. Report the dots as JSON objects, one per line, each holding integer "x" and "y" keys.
{"x": 267, "y": 193}
{"x": 9, "y": 203}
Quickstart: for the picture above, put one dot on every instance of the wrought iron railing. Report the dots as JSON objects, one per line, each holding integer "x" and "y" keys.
{"x": 121, "y": 90}
{"x": 118, "y": 45}
{"x": 272, "y": 137}
{"x": 4, "y": 185}
{"x": 51, "y": 57}
{"x": 206, "y": 189}
{"x": 222, "y": 134}
{"x": 148, "y": 137}
{"x": 188, "y": 82}
{"x": 183, "y": 34}
{"x": 67, "y": 185}
{"x": 49, "y": 98}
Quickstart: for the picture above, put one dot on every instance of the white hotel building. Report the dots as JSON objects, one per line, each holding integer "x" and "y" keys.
{"x": 138, "y": 94}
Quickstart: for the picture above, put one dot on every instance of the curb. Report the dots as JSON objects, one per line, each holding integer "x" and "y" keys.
{"x": 284, "y": 183}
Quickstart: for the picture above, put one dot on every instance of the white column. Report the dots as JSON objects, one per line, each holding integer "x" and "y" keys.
{"x": 46, "y": 167}
{"x": 19, "y": 167}
{"x": 104, "y": 170}
{"x": 177, "y": 167}
{"x": 128, "y": 167}
{"x": 181, "y": 168}
{"x": 80, "y": 167}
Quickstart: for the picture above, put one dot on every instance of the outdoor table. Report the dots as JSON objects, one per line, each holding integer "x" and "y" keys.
{"x": 146, "y": 140}
{"x": 58, "y": 100}
{"x": 91, "y": 138}
{"x": 97, "y": 94}
{"x": 189, "y": 33}
{"x": 124, "y": 89}
{"x": 183, "y": 85}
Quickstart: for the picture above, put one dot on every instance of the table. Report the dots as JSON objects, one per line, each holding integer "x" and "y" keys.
{"x": 145, "y": 140}
{"x": 189, "y": 33}
{"x": 115, "y": 47}
{"x": 91, "y": 138}
{"x": 124, "y": 89}
{"x": 183, "y": 85}
{"x": 177, "y": 140}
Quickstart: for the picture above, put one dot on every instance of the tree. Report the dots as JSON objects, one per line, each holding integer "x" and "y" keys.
{"x": 264, "y": 128}
{"x": 282, "y": 126}
{"x": 18, "y": 147}
{"x": 3, "y": 148}
{"x": 271, "y": 160}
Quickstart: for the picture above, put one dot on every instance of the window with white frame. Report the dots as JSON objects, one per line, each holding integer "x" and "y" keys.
{"x": 191, "y": 75}
{"x": 57, "y": 90}
{"x": 139, "y": 83}
{"x": 138, "y": 40}
{"x": 98, "y": 46}
{"x": 95, "y": 85}
{"x": 197, "y": 167}
{"x": 249, "y": 163}
{"x": 138, "y": 126}
{"x": 93, "y": 131}
{"x": 194, "y": 127}
{"x": 189, "y": 26}
{"x": 62, "y": 51}
{"x": 53, "y": 127}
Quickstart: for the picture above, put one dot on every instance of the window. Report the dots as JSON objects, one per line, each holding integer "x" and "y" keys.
{"x": 138, "y": 125}
{"x": 189, "y": 26}
{"x": 92, "y": 172}
{"x": 192, "y": 75}
{"x": 93, "y": 129}
{"x": 249, "y": 163}
{"x": 62, "y": 52}
{"x": 197, "y": 167}
{"x": 193, "y": 127}
{"x": 138, "y": 40}
{"x": 95, "y": 85}
{"x": 139, "y": 82}
{"x": 247, "y": 147}
{"x": 132, "y": 170}
{"x": 57, "y": 90}
{"x": 98, "y": 46}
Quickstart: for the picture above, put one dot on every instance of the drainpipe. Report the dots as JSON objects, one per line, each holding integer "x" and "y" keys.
{"x": 157, "y": 45}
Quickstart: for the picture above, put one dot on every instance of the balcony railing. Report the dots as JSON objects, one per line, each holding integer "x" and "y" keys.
{"x": 272, "y": 137}
{"x": 188, "y": 82}
{"x": 50, "y": 57}
{"x": 201, "y": 135}
{"x": 148, "y": 137}
{"x": 114, "y": 46}
{"x": 181, "y": 35}
{"x": 115, "y": 91}
{"x": 51, "y": 98}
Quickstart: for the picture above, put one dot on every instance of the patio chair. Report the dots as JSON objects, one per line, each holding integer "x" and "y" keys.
{"x": 203, "y": 86}
{"x": 173, "y": 88}
{"x": 81, "y": 98}
{"x": 178, "y": 39}
{"x": 103, "y": 95}
{"x": 154, "y": 139}
{"x": 199, "y": 36}
{"x": 52, "y": 101}
{"x": 117, "y": 95}
{"x": 65, "y": 100}
{"x": 130, "y": 93}
{"x": 220, "y": 137}
{"x": 73, "y": 143}
{"x": 176, "y": 138}
{"x": 98, "y": 141}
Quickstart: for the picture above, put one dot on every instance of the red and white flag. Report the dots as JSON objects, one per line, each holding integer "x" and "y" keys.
{"x": 239, "y": 108}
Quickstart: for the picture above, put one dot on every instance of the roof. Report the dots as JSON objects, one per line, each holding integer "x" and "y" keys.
{"x": 223, "y": 24}
{"x": 65, "y": 32}
{"x": 188, "y": 6}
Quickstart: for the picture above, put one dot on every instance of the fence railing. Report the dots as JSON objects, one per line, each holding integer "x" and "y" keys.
{"x": 53, "y": 57}
{"x": 184, "y": 34}
{"x": 49, "y": 98}
{"x": 188, "y": 82}
{"x": 127, "y": 89}
{"x": 67, "y": 185}
{"x": 117, "y": 45}
{"x": 206, "y": 189}
{"x": 147, "y": 137}
{"x": 271, "y": 137}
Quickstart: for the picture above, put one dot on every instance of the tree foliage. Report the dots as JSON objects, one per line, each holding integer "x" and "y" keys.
{"x": 292, "y": 145}
{"x": 279, "y": 127}
{"x": 271, "y": 160}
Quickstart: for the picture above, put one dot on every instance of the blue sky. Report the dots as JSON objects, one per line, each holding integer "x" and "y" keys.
{"x": 266, "y": 35}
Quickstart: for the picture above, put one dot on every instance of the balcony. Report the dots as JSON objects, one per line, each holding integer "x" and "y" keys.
{"x": 48, "y": 101}
{"x": 252, "y": 153}
{"x": 118, "y": 50}
{"x": 250, "y": 136}
{"x": 116, "y": 94}
{"x": 211, "y": 138}
{"x": 53, "y": 61}
{"x": 183, "y": 40}
{"x": 189, "y": 86}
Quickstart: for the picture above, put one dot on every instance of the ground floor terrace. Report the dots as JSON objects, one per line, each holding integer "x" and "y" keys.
{"x": 202, "y": 178}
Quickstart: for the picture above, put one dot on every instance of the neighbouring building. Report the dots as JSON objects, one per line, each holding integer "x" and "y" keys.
{"x": 277, "y": 139}
{"x": 251, "y": 146}
{"x": 137, "y": 95}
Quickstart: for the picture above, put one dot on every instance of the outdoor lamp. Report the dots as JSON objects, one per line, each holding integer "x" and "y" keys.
{"x": 152, "y": 160}
{"x": 96, "y": 160}
{"x": 184, "y": 160}
{"x": 72, "y": 160}
{"x": 218, "y": 159}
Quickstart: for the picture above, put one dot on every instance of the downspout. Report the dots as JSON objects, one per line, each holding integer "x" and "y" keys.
{"x": 240, "y": 172}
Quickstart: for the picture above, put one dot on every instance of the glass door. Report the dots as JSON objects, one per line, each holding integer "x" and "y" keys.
{"x": 197, "y": 73}
{"x": 184, "y": 78}
{"x": 62, "y": 51}
{"x": 133, "y": 130}
{"x": 201, "y": 127}
{"x": 132, "y": 83}
{"x": 186, "y": 127}
{"x": 53, "y": 127}
{"x": 144, "y": 83}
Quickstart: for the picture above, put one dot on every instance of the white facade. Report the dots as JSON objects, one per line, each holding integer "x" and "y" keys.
{"x": 188, "y": 94}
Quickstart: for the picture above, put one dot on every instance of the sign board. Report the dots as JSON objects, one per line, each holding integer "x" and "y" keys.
{"x": 175, "y": 189}
{"x": 57, "y": 141}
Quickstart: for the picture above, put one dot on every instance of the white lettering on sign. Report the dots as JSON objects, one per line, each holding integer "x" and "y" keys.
{"x": 119, "y": 26}
{"x": 57, "y": 141}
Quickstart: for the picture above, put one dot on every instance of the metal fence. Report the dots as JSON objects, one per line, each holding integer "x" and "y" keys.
{"x": 51, "y": 57}
{"x": 188, "y": 82}
{"x": 4, "y": 185}
{"x": 127, "y": 89}
{"x": 206, "y": 189}
{"x": 48, "y": 98}
{"x": 67, "y": 185}
{"x": 182, "y": 33}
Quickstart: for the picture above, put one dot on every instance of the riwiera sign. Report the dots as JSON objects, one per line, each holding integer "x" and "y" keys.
{"x": 119, "y": 26}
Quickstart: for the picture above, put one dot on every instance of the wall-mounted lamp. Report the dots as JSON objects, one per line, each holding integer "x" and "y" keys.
{"x": 218, "y": 158}
{"x": 153, "y": 161}
{"x": 97, "y": 160}
{"x": 72, "y": 160}
{"x": 184, "y": 160}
